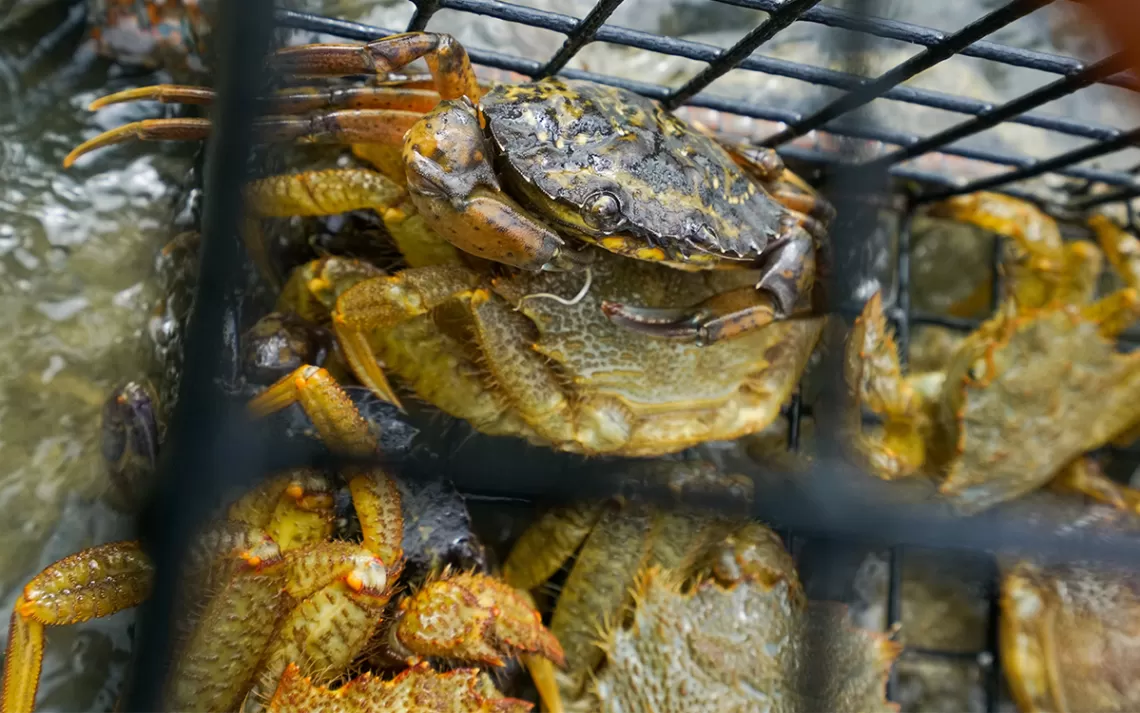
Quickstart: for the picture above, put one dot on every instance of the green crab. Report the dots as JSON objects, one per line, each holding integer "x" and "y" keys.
{"x": 678, "y": 610}
{"x": 529, "y": 175}
{"x": 1027, "y": 394}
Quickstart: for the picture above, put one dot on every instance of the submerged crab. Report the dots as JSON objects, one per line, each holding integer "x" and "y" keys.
{"x": 503, "y": 355}
{"x": 678, "y": 611}
{"x": 1026, "y": 395}
{"x": 267, "y": 591}
{"x": 524, "y": 174}
{"x": 1070, "y": 640}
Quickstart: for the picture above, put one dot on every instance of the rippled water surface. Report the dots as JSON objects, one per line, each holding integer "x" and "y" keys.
{"x": 77, "y": 247}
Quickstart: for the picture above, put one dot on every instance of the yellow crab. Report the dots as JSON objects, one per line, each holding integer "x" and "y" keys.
{"x": 504, "y": 355}
{"x": 680, "y": 611}
{"x": 1027, "y": 394}
{"x": 266, "y": 588}
{"x": 1069, "y": 641}
{"x": 527, "y": 174}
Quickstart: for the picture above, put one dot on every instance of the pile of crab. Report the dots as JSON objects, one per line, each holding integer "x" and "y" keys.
{"x": 580, "y": 269}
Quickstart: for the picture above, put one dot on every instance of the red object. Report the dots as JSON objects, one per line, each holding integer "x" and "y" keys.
{"x": 1121, "y": 22}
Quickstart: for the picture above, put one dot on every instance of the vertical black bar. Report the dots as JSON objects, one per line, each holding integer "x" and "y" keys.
{"x": 795, "y": 413}
{"x": 730, "y": 58}
{"x": 902, "y": 311}
{"x": 582, "y": 35}
{"x": 199, "y": 454}
{"x": 993, "y": 624}
{"x": 894, "y": 610}
{"x": 919, "y": 63}
{"x": 424, "y": 10}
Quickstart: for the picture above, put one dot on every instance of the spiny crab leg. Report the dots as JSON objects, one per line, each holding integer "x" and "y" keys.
{"x": 333, "y": 414}
{"x": 94, "y": 583}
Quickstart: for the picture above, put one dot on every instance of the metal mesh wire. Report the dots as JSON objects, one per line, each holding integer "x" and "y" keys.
{"x": 210, "y": 443}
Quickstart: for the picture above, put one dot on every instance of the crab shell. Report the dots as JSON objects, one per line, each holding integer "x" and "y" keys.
{"x": 1025, "y": 395}
{"x": 1070, "y": 639}
{"x": 602, "y": 389}
{"x": 575, "y": 147}
{"x": 748, "y": 647}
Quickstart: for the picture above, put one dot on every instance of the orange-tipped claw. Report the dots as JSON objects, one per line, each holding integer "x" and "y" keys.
{"x": 147, "y": 130}
{"x": 474, "y": 617}
{"x": 165, "y": 93}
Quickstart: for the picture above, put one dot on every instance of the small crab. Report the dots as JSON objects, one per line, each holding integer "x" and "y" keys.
{"x": 267, "y": 590}
{"x": 512, "y": 357}
{"x": 526, "y": 174}
{"x": 679, "y": 611}
{"x": 1026, "y": 395}
{"x": 1069, "y": 638}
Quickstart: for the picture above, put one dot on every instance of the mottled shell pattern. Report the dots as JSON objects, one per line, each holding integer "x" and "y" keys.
{"x": 600, "y": 160}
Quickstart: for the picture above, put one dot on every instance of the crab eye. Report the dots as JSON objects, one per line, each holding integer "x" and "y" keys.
{"x": 602, "y": 211}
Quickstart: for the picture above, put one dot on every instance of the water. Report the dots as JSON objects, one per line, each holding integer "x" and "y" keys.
{"x": 77, "y": 247}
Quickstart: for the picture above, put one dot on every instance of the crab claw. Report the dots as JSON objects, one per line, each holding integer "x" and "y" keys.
{"x": 473, "y": 617}
{"x": 716, "y": 319}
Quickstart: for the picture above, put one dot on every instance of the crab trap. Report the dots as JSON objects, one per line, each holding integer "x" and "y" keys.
{"x": 841, "y": 133}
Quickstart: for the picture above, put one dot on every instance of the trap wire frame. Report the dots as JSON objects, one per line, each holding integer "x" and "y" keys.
{"x": 191, "y": 473}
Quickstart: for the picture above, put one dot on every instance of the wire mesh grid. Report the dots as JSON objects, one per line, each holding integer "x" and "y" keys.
{"x": 244, "y": 37}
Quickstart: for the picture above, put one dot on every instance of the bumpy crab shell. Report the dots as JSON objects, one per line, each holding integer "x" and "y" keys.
{"x": 748, "y": 647}
{"x": 1070, "y": 639}
{"x": 679, "y": 610}
{"x": 677, "y": 189}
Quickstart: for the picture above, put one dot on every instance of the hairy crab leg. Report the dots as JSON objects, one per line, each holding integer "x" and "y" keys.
{"x": 385, "y": 301}
{"x": 788, "y": 272}
{"x": 464, "y": 690}
{"x": 335, "y": 417}
{"x": 96, "y": 582}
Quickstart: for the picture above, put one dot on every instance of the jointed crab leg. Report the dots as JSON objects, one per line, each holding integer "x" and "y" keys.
{"x": 445, "y": 57}
{"x": 788, "y": 272}
{"x": 333, "y": 414}
{"x": 287, "y": 101}
{"x": 94, "y": 583}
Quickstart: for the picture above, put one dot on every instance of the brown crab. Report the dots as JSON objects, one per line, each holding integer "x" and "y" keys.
{"x": 1027, "y": 394}
{"x": 267, "y": 590}
{"x": 1069, "y": 641}
{"x": 525, "y": 174}
{"x": 680, "y": 610}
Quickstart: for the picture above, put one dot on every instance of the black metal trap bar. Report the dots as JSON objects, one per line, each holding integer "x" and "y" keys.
{"x": 203, "y": 438}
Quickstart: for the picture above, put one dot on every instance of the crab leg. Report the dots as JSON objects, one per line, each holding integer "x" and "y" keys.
{"x": 1085, "y": 477}
{"x": 788, "y": 273}
{"x": 287, "y": 101}
{"x": 446, "y": 58}
{"x": 333, "y": 414}
{"x": 94, "y": 583}
{"x": 341, "y": 588}
{"x": 874, "y": 375}
{"x": 1121, "y": 248}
